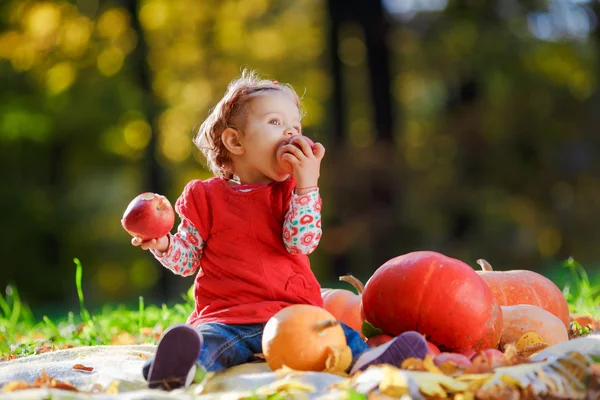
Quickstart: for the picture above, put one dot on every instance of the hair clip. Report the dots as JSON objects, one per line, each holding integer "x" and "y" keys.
{"x": 275, "y": 83}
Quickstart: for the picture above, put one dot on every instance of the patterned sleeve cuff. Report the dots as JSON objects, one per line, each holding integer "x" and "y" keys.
{"x": 306, "y": 198}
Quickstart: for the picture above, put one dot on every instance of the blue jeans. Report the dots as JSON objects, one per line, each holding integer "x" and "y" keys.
{"x": 226, "y": 346}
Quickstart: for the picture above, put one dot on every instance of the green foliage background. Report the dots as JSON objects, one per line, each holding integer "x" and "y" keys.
{"x": 493, "y": 154}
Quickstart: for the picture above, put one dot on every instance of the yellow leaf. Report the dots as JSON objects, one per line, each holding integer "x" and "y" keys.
{"x": 394, "y": 382}
{"x": 338, "y": 360}
{"x": 413, "y": 364}
{"x": 530, "y": 339}
{"x": 430, "y": 365}
{"x": 437, "y": 384}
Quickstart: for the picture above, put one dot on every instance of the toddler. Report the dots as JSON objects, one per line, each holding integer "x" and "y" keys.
{"x": 246, "y": 233}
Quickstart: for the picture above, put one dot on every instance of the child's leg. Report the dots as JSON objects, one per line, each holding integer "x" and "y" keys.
{"x": 354, "y": 341}
{"x": 226, "y": 346}
{"x": 222, "y": 346}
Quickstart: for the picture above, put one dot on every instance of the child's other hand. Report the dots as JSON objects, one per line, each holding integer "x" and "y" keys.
{"x": 305, "y": 161}
{"x": 160, "y": 244}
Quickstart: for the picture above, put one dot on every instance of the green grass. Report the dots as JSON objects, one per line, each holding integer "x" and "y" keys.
{"x": 21, "y": 334}
{"x": 583, "y": 296}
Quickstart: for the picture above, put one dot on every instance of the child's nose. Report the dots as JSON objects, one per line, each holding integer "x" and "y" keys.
{"x": 290, "y": 131}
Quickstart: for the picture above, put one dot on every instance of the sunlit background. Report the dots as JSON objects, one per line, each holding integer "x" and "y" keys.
{"x": 461, "y": 126}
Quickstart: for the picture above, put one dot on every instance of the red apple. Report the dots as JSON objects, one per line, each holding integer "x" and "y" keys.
{"x": 306, "y": 139}
{"x": 469, "y": 353}
{"x": 378, "y": 340}
{"x": 286, "y": 166}
{"x": 149, "y": 216}
{"x": 433, "y": 349}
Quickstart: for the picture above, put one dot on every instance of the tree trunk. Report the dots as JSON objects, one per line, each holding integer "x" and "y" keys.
{"x": 154, "y": 181}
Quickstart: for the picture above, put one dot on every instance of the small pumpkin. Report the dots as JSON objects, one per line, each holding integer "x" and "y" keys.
{"x": 303, "y": 337}
{"x": 523, "y": 318}
{"x": 345, "y": 304}
{"x": 525, "y": 287}
{"x": 440, "y": 297}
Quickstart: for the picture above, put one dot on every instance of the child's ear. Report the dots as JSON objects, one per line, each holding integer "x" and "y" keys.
{"x": 231, "y": 139}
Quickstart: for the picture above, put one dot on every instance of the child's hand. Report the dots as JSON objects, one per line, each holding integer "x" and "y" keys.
{"x": 160, "y": 244}
{"x": 305, "y": 161}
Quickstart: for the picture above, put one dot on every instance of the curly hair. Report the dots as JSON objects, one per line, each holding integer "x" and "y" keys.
{"x": 230, "y": 112}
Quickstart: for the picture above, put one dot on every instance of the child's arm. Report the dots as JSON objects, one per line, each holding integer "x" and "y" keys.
{"x": 183, "y": 250}
{"x": 302, "y": 223}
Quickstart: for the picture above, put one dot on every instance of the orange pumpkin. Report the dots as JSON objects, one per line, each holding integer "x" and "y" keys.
{"x": 345, "y": 304}
{"x": 302, "y": 337}
{"x": 525, "y": 287}
{"x": 523, "y": 318}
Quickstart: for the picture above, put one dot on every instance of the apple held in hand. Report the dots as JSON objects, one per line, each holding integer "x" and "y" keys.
{"x": 149, "y": 216}
{"x": 286, "y": 166}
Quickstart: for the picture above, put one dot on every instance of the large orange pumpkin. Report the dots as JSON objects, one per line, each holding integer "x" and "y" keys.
{"x": 302, "y": 337}
{"x": 345, "y": 304}
{"x": 525, "y": 287}
{"x": 437, "y": 296}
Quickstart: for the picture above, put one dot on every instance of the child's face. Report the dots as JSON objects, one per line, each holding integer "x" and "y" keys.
{"x": 272, "y": 119}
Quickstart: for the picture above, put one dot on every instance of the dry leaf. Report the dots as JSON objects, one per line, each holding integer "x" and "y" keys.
{"x": 13, "y": 386}
{"x": 284, "y": 388}
{"x": 430, "y": 365}
{"x": 113, "y": 388}
{"x": 338, "y": 360}
{"x": 563, "y": 377}
{"x": 44, "y": 381}
{"x": 585, "y": 321}
{"x": 9, "y": 357}
{"x": 449, "y": 368}
{"x": 81, "y": 367}
{"x": 530, "y": 339}
{"x": 44, "y": 349}
{"x": 123, "y": 338}
{"x": 413, "y": 364}
{"x": 512, "y": 356}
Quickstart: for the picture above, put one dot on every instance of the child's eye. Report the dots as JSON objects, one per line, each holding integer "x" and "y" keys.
{"x": 274, "y": 121}
{"x": 298, "y": 129}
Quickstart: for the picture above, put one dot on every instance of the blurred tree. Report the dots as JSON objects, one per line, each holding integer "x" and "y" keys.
{"x": 464, "y": 127}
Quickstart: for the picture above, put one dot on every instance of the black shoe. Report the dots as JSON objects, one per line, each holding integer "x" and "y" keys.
{"x": 173, "y": 365}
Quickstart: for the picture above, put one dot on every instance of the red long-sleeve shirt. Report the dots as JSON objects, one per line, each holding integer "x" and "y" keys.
{"x": 246, "y": 273}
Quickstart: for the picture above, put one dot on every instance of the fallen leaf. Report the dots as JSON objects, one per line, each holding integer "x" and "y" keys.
{"x": 413, "y": 364}
{"x": 43, "y": 381}
{"x": 9, "y": 357}
{"x": 338, "y": 360}
{"x": 123, "y": 338}
{"x": 44, "y": 349}
{"x": 512, "y": 356}
{"x": 113, "y": 388}
{"x": 449, "y": 368}
{"x": 530, "y": 340}
{"x": 563, "y": 377}
{"x": 284, "y": 388}
{"x": 13, "y": 386}
{"x": 82, "y": 367}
